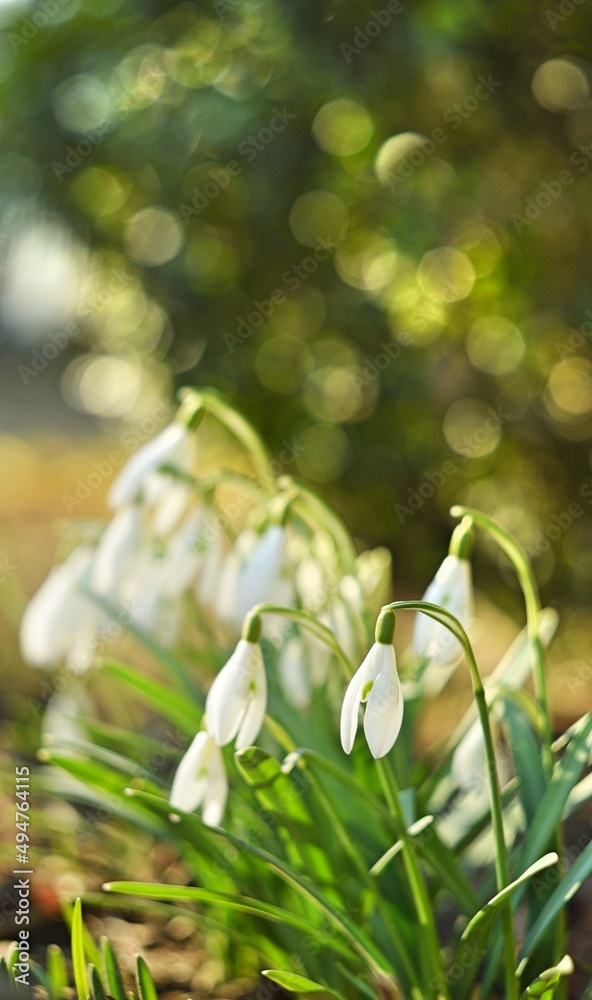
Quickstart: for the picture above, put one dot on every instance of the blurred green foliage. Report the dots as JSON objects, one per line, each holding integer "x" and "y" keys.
{"x": 421, "y": 354}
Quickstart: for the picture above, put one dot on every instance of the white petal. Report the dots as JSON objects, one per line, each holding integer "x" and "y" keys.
{"x": 170, "y": 509}
{"x": 350, "y": 709}
{"x": 255, "y": 713}
{"x": 384, "y": 711}
{"x": 183, "y": 558}
{"x": 170, "y": 446}
{"x": 210, "y": 544}
{"x": 217, "y": 789}
{"x": 189, "y": 785}
{"x": 451, "y": 588}
{"x": 119, "y": 542}
{"x": 229, "y": 695}
{"x": 45, "y": 625}
{"x": 260, "y": 575}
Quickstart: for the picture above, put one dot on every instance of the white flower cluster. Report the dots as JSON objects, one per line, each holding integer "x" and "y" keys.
{"x": 165, "y": 542}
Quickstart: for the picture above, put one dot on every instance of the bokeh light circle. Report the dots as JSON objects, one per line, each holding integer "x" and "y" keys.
{"x": 153, "y": 236}
{"x": 561, "y": 85}
{"x": 342, "y": 127}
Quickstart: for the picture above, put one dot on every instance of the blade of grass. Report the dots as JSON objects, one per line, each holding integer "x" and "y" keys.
{"x": 78, "y": 955}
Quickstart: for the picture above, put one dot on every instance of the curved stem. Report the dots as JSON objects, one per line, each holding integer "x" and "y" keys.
{"x": 519, "y": 561}
{"x": 501, "y": 854}
{"x": 327, "y": 519}
{"x": 414, "y": 875}
{"x": 315, "y": 627}
{"x": 196, "y": 401}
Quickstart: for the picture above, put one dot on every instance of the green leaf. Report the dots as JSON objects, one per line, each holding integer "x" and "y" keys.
{"x": 57, "y": 971}
{"x": 526, "y": 753}
{"x": 78, "y": 956}
{"x": 276, "y": 792}
{"x": 545, "y": 986}
{"x": 111, "y": 971}
{"x": 292, "y": 983}
{"x": 96, "y": 986}
{"x": 473, "y": 942}
{"x": 550, "y": 810}
{"x": 177, "y": 708}
{"x": 258, "y": 768}
{"x": 566, "y": 890}
{"x": 41, "y": 976}
{"x": 340, "y": 921}
{"x": 244, "y": 904}
{"x": 109, "y": 785}
{"x": 146, "y": 987}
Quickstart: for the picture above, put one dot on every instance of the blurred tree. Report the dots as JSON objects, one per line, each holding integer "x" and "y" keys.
{"x": 368, "y": 223}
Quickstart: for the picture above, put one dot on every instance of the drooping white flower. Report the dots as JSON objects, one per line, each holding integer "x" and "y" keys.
{"x": 451, "y": 589}
{"x": 237, "y": 700}
{"x": 60, "y": 619}
{"x": 117, "y": 551}
{"x": 201, "y": 780}
{"x": 171, "y": 507}
{"x": 260, "y": 577}
{"x": 376, "y": 684}
{"x": 183, "y": 557}
{"x": 171, "y": 447}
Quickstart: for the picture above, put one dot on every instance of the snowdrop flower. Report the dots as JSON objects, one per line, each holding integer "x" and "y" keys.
{"x": 171, "y": 447}
{"x": 376, "y": 684}
{"x": 237, "y": 700}
{"x": 260, "y": 577}
{"x": 183, "y": 557}
{"x": 59, "y": 618}
{"x": 119, "y": 546}
{"x": 201, "y": 780}
{"x": 451, "y": 589}
{"x": 169, "y": 510}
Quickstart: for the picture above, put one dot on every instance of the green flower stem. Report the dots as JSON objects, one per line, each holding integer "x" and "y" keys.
{"x": 326, "y": 519}
{"x": 501, "y": 855}
{"x": 421, "y": 899}
{"x": 519, "y": 561}
{"x": 316, "y": 628}
{"x": 194, "y": 402}
{"x": 326, "y": 635}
